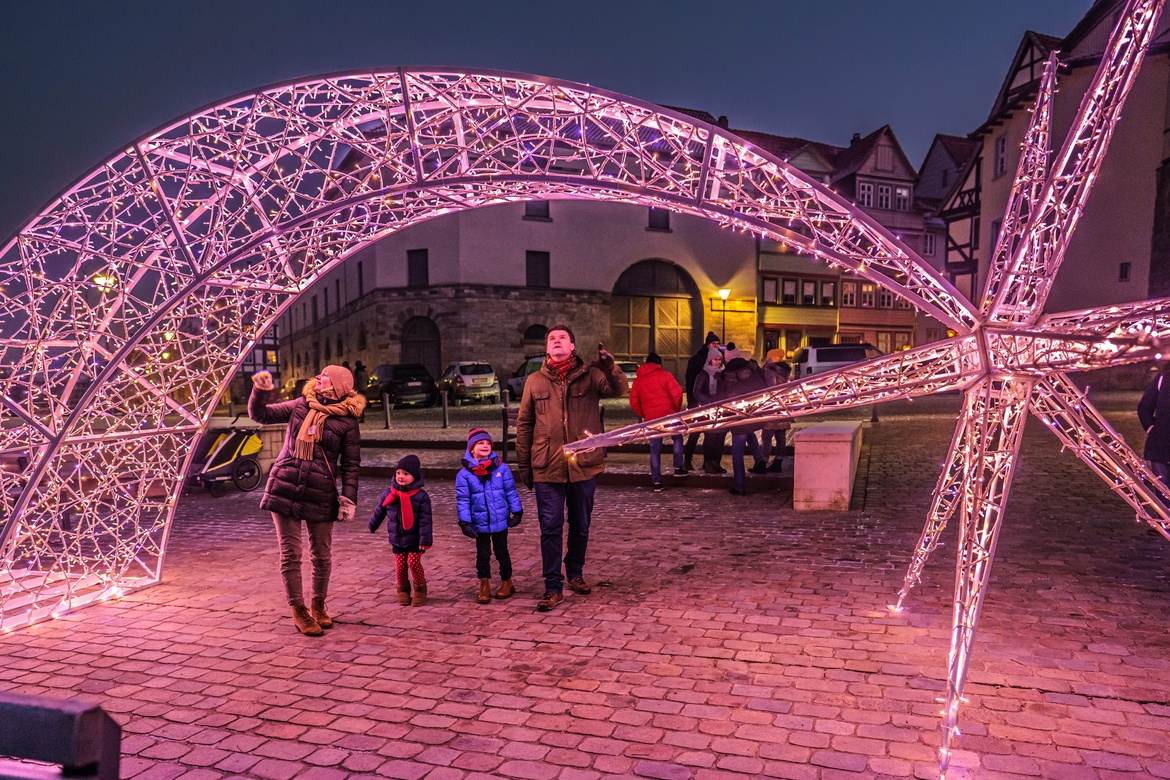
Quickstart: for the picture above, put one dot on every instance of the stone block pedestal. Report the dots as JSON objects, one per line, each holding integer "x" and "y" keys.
{"x": 826, "y": 465}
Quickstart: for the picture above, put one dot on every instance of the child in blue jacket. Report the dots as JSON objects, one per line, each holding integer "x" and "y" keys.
{"x": 408, "y": 508}
{"x": 488, "y": 505}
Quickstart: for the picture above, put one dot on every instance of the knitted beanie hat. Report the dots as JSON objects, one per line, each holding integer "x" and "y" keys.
{"x": 714, "y": 352}
{"x": 654, "y": 358}
{"x": 711, "y": 337}
{"x": 477, "y": 435}
{"x": 341, "y": 378}
{"x": 411, "y": 465}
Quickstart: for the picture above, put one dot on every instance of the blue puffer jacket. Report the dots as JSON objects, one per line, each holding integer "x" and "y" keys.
{"x": 485, "y": 501}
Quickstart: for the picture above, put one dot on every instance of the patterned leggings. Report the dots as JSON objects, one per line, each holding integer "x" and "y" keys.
{"x": 414, "y": 562}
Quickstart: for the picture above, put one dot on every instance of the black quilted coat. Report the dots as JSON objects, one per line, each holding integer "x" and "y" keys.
{"x": 307, "y": 489}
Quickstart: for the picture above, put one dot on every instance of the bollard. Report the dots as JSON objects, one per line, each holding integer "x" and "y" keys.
{"x": 443, "y": 400}
{"x": 231, "y": 409}
{"x": 873, "y": 413}
{"x": 386, "y": 409}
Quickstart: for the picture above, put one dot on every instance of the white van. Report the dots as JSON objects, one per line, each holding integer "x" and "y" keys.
{"x": 816, "y": 360}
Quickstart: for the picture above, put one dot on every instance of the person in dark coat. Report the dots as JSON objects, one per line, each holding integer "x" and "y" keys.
{"x": 321, "y": 445}
{"x": 1154, "y": 415}
{"x": 776, "y": 372}
{"x": 741, "y": 376}
{"x": 487, "y": 505}
{"x": 707, "y": 390}
{"x": 694, "y": 367}
{"x": 361, "y": 380}
{"x": 656, "y": 393}
{"x": 407, "y": 507}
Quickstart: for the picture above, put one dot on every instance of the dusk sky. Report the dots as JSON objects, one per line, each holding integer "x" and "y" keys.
{"x": 80, "y": 80}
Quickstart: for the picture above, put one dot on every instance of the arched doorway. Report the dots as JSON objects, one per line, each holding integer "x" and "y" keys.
{"x": 420, "y": 344}
{"x": 656, "y": 308}
{"x": 128, "y": 302}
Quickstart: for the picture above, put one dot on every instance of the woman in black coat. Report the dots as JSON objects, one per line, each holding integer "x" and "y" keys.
{"x": 321, "y": 445}
{"x": 1154, "y": 415}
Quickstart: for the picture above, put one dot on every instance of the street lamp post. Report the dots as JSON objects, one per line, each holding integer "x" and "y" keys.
{"x": 723, "y": 330}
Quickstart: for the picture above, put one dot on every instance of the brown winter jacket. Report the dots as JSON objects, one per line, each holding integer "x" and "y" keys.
{"x": 307, "y": 489}
{"x": 546, "y": 423}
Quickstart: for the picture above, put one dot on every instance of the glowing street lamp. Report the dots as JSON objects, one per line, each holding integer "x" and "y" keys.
{"x": 723, "y": 330}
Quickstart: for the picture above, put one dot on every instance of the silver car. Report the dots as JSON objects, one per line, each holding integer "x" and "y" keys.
{"x": 469, "y": 380}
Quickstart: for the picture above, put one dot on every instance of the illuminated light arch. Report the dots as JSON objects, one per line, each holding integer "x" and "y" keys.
{"x": 128, "y": 302}
{"x": 1014, "y": 360}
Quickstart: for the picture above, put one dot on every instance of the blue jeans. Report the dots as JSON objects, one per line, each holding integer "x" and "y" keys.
{"x": 656, "y": 457}
{"x": 739, "y": 442}
{"x": 551, "y": 500}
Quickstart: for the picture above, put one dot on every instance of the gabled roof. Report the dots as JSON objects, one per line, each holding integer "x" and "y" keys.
{"x": 697, "y": 113}
{"x": 1029, "y": 59}
{"x": 852, "y": 159}
{"x": 787, "y": 147}
{"x": 959, "y": 148}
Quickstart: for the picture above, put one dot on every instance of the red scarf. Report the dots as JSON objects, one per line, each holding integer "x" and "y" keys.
{"x": 481, "y": 468}
{"x": 561, "y": 368}
{"x": 403, "y": 499}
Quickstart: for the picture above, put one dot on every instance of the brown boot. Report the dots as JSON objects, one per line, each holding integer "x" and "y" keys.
{"x": 404, "y": 594}
{"x": 304, "y": 621}
{"x": 420, "y": 595}
{"x": 485, "y": 591}
{"x": 506, "y": 589}
{"x": 320, "y": 615}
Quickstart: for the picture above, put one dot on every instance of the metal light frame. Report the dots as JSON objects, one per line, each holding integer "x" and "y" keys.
{"x": 1007, "y": 359}
{"x": 126, "y": 304}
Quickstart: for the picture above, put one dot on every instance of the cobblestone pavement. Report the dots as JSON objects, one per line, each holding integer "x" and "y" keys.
{"x": 724, "y": 638}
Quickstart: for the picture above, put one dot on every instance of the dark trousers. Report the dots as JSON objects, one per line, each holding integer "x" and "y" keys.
{"x": 483, "y": 555}
{"x": 551, "y": 500}
{"x": 713, "y": 442}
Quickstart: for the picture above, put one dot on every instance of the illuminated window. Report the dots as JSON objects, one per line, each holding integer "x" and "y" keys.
{"x": 848, "y": 293}
{"x": 867, "y": 295}
{"x": 902, "y": 198}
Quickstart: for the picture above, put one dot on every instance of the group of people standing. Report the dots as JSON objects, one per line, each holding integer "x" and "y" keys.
{"x": 322, "y": 449}
{"x": 714, "y": 373}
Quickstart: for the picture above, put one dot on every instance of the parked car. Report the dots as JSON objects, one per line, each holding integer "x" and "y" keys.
{"x": 531, "y": 365}
{"x": 816, "y": 360}
{"x": 293, "y": 388}
{"x": 405, "y": 383}
{"x": 469, "y": 380}
{"x": 629, "y": 369}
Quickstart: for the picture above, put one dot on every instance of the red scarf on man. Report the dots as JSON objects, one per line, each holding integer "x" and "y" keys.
{"x": 403, "y": 498}
{"x": 561, "y": 368}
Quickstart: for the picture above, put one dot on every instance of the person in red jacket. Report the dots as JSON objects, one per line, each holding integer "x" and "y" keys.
{"x": 656, "y": 393}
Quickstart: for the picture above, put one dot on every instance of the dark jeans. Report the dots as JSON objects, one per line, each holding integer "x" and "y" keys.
{"x": 713, "y": 446}
{"x": 656, "y": 457}
{"x": 483, "y": 555}
{"x": 551, "y": 500}
{"x": 739, "y": 441}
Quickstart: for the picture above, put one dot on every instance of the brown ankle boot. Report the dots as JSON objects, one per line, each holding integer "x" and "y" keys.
{"x": 320, "y": 615}
{"x": 505, "y": 590}
{"x": 420, "y": 595}
{"x": 404, "y": 595}
{"x": 304, "y": 621}
{"x": 485, "y": 591}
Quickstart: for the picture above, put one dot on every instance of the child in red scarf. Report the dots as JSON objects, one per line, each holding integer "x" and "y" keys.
{"x": 408, "y": 508}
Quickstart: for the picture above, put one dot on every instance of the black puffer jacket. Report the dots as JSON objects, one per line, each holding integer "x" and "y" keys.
{"x": 1154, "y": 415}
{"x": 307, "y": 489}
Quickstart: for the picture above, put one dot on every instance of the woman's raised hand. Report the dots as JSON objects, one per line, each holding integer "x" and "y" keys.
{"x": 262, "y": 380}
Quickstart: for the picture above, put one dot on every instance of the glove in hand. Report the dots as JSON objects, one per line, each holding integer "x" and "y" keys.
{"x": 526, "y": 477}
{"x": 514, "y": 518}
{"x": 468, "y": 530}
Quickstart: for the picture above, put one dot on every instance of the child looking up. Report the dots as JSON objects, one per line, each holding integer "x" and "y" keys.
{"x": 408, "y": 508}
{"x": 487, "y": 504}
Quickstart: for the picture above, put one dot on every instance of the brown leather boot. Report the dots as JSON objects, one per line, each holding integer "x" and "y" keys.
{"x": 505, "y": 590}
{"x": 485, "y": 591}
{"x": 420, "y": 596}
{"x": 404, "y": 594}
{"x": 320, "y": 615}
{"x": 304, "y": 621}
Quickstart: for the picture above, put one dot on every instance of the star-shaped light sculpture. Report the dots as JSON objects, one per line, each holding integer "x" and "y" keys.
{"x": 1008, "y": 359}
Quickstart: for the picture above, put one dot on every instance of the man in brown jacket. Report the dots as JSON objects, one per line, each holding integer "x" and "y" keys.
{"x": 561, "y": 404}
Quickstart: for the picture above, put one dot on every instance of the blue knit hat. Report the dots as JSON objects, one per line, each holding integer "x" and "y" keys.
{"x": 477, "y": 435}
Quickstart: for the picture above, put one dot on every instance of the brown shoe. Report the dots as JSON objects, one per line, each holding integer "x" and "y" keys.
{"x": 420, "y": 596}
{"x": 550, "y": 600}
{"x": 404, "y": 595}
{"x": 320, "y": 615}
{"x": 505, "y": 590}
{"x": 579, "y": 585}
{"x": 485, "y": 591}
{"x": 304, "y": 621}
